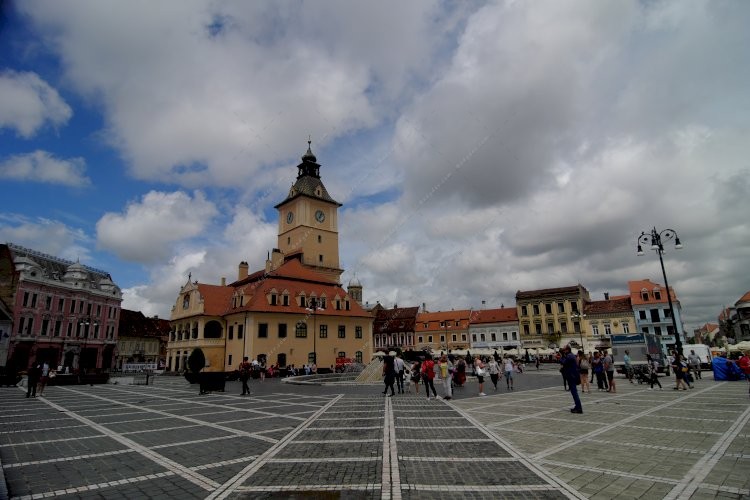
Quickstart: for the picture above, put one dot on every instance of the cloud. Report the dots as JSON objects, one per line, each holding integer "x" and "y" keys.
{"x": 46, "y": 235}
{"x": 42, "y": 166}
{"x": 27, "y": 102}
{"x": 148, "y": 229}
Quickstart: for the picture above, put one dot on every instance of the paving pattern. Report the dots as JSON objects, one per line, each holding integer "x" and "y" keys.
{"x": 166, "y": 441}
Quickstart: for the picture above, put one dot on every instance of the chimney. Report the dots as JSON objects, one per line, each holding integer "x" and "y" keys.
{"x": 424, "y": 307}
{"x": 606, "y": 295}
{"x": 242, "y": 271}
{"x": 223, "y": 281}
{"x": 484, "y": 304}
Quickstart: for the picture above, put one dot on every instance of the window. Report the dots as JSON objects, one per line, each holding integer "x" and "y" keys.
{"x": 524, "y": 311}
{"x": 33, "y": 300}
{"x": 230, "y": 335}
{"x": 482, "y": 337}
{"x": 282, "y": 330}
{"x": 574, "y": 307}
{"x": 657, "y": 330}
{"x": 273, "y": 299}
{"x": 419, "y": 339}
{"x": 45, "y": 327}
{"x": 576, "y": 327}
{"x": 655, "y": 318}
{"x": 60, "y": 304}
{"x": 186, "y": 301}
{"x": 667, "y": 313}
{"x": 538, "y": 328}
{"x": 72, "y": 306}
{"x": 607, "y": 329}
{"x": 58, "y": 326}
{"x": 25, "y": 299}
{"x": 625, "y": 327}
{"x": 341, "y": 354}
{"x": 642, "y": 314}
{"x": 505, "y": 336}
{"x": 442, "y": 324}
{"x": 320, "y": 239}
{"x": 526, "y": 330}
{"x": 457, "y": 323}
{"x": 463, "y": 337}
{"x": 229, "y": 361}
{"x": 301, "y": 330}
{"x": 442, "y": 339}
{"x": 514, "y": 335}
{"x": 473, "y": 337}
{"x": 535, "y": 308}
{"x": 320, "y": 258}
{"x": 70, "y": 330}
{"x": 657, "y": 294}
{"x": 670, "y": 330}
{"x": 288, "y": 240}
{"x": 358, "y": 357}
{"x": 595, "y": 329}
{"x": 347, "y": 305}
{"x": 262, "y": 330}
{"x": 48, "y": 302}
{"x": 644, "y": 295}
{"x": 548, "y": 308}
{"x": 644, "y": 329}
{"x": 342, "y": 331}
{"x": 493, "y": 336}
{"x": 240, "y": 331}
{"x": 285, "y": 299}
{"x": 563, "y": 326}
{"x": 357, "y": 332}
{"x": 323, "y": 331}
{"x": 560, "y": 307}
{"x": 453, "y": 337}
{"x": 429, "y": 339}
{"x": 550, "y": 327}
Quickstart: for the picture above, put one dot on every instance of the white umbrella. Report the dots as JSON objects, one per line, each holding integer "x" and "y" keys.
{"x": 378, "y": 354}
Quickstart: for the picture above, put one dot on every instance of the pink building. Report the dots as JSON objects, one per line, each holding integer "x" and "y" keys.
{"x": 61, "y": 312}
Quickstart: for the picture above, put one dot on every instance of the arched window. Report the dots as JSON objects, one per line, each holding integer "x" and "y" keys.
{"x": 186, "y": 301}
{"x": 301, "y": 330}
{"x": 212, "y": 330}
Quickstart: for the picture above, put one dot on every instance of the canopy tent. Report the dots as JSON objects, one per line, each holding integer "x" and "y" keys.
{"x": 459, "y": 352}
{"x": 725, "y": 369}
{"x": 742, "y": 346}
{"x": 378, "y": 354}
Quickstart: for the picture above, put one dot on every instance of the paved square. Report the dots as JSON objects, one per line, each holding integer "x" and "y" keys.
{"x": 166, "y": 441}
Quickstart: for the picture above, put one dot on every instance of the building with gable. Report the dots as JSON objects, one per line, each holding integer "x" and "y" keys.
{"x": 395, "y": 328}
{"x": 652, "y": 313}
{"x": 604, "y": 318}
{"x": 551, "y": 317}
{"x": 292, "y": 312}
{"x": 495, "y": 329}
{"x": 61, "y": 312}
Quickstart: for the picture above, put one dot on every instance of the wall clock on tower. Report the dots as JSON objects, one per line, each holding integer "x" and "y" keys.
{"x": 289, "y": 217}
{"x": 320, "y": 216}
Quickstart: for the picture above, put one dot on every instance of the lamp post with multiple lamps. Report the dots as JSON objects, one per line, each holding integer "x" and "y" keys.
{"x": 313, "y": 308}
{"x": 578, "y": 317}
{"x": 656, "y": 240}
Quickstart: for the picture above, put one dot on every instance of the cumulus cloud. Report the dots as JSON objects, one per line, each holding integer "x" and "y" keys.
{"x": 148, "y": 228}
{"x": 27, "y": 103}
{"x": 50, "y": 236}
{"x": 42, "y": 166}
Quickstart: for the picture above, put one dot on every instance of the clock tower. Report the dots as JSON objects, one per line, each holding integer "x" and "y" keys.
{"x": 308, "y": 221}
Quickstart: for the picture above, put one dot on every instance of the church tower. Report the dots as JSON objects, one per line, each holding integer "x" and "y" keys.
{"x": 308, "y": 221}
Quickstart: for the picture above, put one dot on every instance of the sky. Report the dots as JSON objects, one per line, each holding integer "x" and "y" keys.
{"x": 478, "y": 148}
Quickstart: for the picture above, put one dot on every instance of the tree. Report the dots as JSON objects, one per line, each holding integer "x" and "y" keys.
{"x": 197, "y": 360}
{"x": 727, "y": 328}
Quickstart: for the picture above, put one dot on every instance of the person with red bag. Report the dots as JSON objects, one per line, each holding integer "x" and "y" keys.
{"x": 428, "y": 375}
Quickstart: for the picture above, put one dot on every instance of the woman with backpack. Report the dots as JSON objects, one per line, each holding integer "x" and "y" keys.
{"x": 428, "y": 375}
{"x": 584, "y": 365}
{"x": 416, "y": 374}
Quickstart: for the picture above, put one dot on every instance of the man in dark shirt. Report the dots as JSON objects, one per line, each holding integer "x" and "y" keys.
{"x": 571, "y": 373}
{"x": 389, "y": 372}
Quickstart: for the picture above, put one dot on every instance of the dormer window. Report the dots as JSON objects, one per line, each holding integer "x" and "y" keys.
{"x": 273, "y": 299}
{"x": 285, "y": 299}
{"x": 302, "y": 301}
{"x": 644, "y": 295}
{"x": 657, "y": 294}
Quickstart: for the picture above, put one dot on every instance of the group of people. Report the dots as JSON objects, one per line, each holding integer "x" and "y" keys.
{"x": 598, "y": 365}
{"x": 449, "y": 370}
{"x": 37, "y": 378}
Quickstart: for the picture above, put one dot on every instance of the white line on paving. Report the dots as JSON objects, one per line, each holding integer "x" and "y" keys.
{"x": 553, "y": 481}
{"x": 167, "y": 463}
{"x": 195, "y": 441}
{"x": 458, "y": 459}
{"x": 146, "y": 431}
{"x": 321, "y": 459}
{"x": 648, "y": 446}
{"x": 41, "y": 429}
{"x": 525, "y": 431}
{"x": 441, "y": 440}
{"x": 611, "y": 472}
{"x": 326, "y": 441}
{"x": 66, "y": 459}
{"x": 192, "y": 420}
{"x": 572, "y": 442}
{"x": 343, "y": 428}
{"x": 47, "y": 441}
{"x": 309, "y": 487}
{"x": 670, "y": 429}
{"x": 225, "y": 489}
{"x": 98, "y": 486}
{"x": 500, "y": 488}
{"x": 700, "y": 470}
{"x": 727, "y": 489}
{"x": 743, "y": 456}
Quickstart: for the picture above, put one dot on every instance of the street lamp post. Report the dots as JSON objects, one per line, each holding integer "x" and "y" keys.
{"x": 579, "y": 316}
{"x": 445, "y": 325}
{"x": 657, "y": 239}
{"x": 313, "y": 309}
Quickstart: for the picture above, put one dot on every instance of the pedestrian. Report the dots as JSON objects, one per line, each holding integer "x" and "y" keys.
{"x": 400, "y": 367}
{"x": 480, "y": 372}
{"x": 44, "y": 377}
{"x": 680, "y": 369}
{"x": 445, "y": 369}
{"x": 609, "y": 369}
{"x": 562, "y": 374}
{"x": 389, "y": 374}
{"x": 32, "y": 379}
{"x": 695, "y": 363}
{"x": 583, "y": 370}
{"x": 508, "y": 367}
{"x": 653, "y": 372}
{"x": 263, "y": 369}
{"x": 744, "y": 365}
{"x": 597, "y": 366}
{"x": 459, "y": 376}
{"x": 428, "y": 376}
{"x": 245, "y": 368}
{"x": 628, "y": 366}
{"x": 416, "y": 374}
{"x": 536, "y": 360}
{"x": 571, "y": 371}
{"x": 494, "y": 370}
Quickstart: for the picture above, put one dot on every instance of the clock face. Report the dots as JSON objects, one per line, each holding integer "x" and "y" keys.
{"x": 289, "y": 217}
{"x": 320, "y": 216}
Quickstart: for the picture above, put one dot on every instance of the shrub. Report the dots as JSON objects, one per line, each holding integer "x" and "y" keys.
{"x": 196, "y": 360}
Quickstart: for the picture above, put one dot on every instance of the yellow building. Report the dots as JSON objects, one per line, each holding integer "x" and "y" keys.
{"x": 551, "y": 317}
{"x": 293, "y": 312}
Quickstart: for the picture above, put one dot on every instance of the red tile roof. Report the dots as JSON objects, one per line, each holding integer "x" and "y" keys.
{"x": 611, "y": 306}
{"x": 433, "y": 319}
{"x": 499, "y": 315}
{"x": 744, "y": 298}
{"x": 565, "y": 290}
{"x": 397, "y": 319}
{"x": 215, "y": 298}
{"x": 635, "y": 288}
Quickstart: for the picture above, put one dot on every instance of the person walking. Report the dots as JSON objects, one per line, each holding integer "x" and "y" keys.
{"x": 508, "y": 367}
{"x": 389, "y": 374}
{"x": 445, "y": 369}
{"x": 680, "y": 368}
{"x": 744, "y": 365}
{"x": 44, "y": 378}
{"x": 609, "y": 369}
{"x": 695, "y": 363}
{"x": 459, "y": 376}
{"x": 428, "y": 376}
{"x": 32, "y": 379}
{"x": 571, "y": 371}
{"x": 416, "y": 375}
{"x": 628, "y": 366}
{"x": 536, "y": 360}
{"x": 494, "y": 370}
{"x": 400, "y": 367}
{"x": 263, "y": 370}
{"x": 653, "y": 372}
{"x": 480, "y": 372}
{"x": 598, "y": 367}
{"x": 245, "y": 368}
{"x": 583, "y": 369}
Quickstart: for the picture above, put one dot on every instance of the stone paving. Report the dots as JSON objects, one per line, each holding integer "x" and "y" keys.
{"x": 165, "y": 441}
